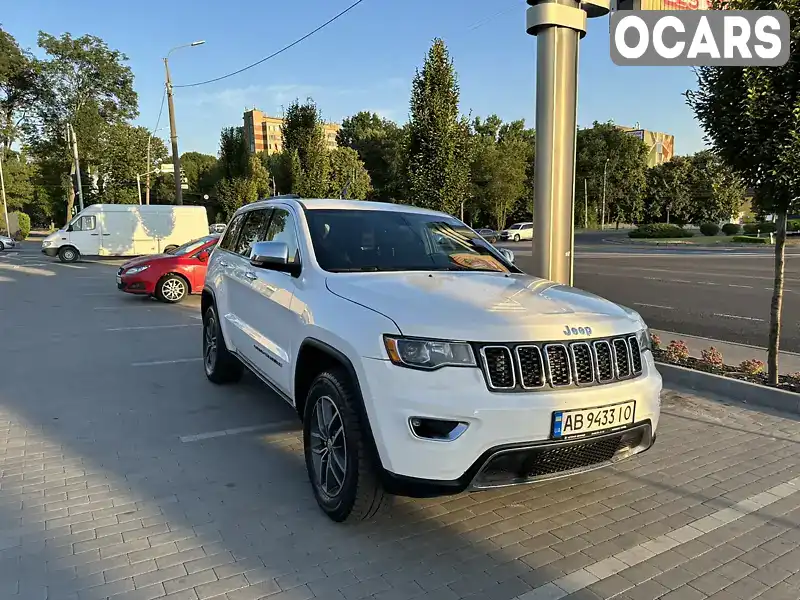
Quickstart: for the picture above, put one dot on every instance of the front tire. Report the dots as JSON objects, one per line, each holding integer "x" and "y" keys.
{"x": 219, "y": 364}
{"x": 516, "y": 238}
{"x": 342, "y": 473}
{"x": 172, "y": 289}
{"x": 68, "y": 254}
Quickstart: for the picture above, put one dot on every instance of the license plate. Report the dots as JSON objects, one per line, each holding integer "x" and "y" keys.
{"x": 119, "y": 280}
{"x": 585, "y": 421}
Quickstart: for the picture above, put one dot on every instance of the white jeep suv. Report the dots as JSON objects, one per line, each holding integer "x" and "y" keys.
{"x": 420, "y": 359}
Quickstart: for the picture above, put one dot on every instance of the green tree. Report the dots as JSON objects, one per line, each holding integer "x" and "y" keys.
{"x": 499, "y": 169}
{"x": 19, "y": 88}
{"x": 348, "y": 175}
{"x": 438, "y": 158}
{"x": 201, "y": 171}
{"x": 234, "y": 159}
{"x": 668, "y": 192}
{"x": 124, "y": 155}
{"x": 380, "y": 145}
{"x": 605, "y": 152}
{"x": 752, "y": 117}
{"x": 303, "y": 135}
{"x": 717, "y": 191}
{"x": 18, "y": 173}
{"x": 242, "y": 177}
{"x": 86, "y": 84}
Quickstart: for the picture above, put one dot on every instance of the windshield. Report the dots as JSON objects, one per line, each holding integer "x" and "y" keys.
{"x": 190, "y": 247}
{"x": 377, "y": 240}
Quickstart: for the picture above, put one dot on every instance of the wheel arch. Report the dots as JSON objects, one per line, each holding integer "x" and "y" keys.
{"x": 313, "y": 357}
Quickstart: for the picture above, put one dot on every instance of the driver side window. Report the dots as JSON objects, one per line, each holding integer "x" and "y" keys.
{"x": 85, "y": 223}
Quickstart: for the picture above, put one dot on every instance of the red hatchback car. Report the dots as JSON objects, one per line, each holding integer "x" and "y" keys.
{"x": 169, "y": 277}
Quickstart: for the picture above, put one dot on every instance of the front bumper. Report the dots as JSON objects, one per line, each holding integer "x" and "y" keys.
{"x": 135, "y": 284}
{"x": 50, "y": 251}
{"x": 508, "y": 440}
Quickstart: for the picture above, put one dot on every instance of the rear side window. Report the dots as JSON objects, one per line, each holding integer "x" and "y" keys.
{"x": 253, "y": 230}
{"x": 228, "y": 241}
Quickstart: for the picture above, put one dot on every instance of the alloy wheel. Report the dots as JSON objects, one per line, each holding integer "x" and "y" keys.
{"x": 328, "y": 447}
{"x": 173, "y": 289}
{"x": 210, "y": 344}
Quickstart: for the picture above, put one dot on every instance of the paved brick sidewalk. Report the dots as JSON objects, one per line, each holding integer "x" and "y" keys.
{"x": 233, "y": 517}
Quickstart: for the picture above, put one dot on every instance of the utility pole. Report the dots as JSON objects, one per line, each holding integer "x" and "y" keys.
{"x": 603, "y": 218}
{"x": 585, "y": 204}
{"x": 558, "y": 26}
{"x": 139, "y": 186}
{"x": 173, "y": 136}
{"x": 74, "y": 143}
{"x": 3, "y": 189}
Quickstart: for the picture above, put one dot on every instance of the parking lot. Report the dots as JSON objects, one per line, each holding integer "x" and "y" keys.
{"x": 126, "y": 475}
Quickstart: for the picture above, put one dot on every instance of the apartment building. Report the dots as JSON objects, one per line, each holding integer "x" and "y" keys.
{"x": 661, "y": 146}
{"x": 263, "y": 132}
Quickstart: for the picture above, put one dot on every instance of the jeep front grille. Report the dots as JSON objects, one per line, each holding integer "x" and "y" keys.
{"x": 526, "y": 367}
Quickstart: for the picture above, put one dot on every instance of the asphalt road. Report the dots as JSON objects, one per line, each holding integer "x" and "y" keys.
{"x": 720, "y": 294}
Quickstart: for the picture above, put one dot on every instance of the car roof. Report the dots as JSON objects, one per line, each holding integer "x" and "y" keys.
{"x": 337, "y": 204}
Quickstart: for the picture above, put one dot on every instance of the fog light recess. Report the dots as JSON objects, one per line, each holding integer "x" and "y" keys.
{"x": 438, "y": 430}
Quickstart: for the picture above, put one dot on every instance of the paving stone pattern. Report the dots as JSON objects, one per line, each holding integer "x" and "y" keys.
{"x": 233, "y": 518}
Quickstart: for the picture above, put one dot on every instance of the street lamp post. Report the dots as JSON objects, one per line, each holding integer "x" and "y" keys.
{"x": 176, "y": 159}
{"x": 603, "y": 216}
{"x": 558, "y": 26}
{"x": 147, "y": 183}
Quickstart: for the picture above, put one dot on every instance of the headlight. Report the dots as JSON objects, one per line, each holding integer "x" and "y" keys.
{"x": 428, "y": 354}
{"x": 46, "y": 244}
{"x": 643, "y": 337}
{"x": 134, "y": 270}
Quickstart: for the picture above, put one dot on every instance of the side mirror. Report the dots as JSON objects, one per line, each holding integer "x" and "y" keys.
{"x": 274, "y": 256}
{"x": 203, "y": 256}
{"x": 69, "y": 228}
{"x": 507, "y": 254}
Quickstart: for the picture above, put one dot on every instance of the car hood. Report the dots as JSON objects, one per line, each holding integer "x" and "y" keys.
{"x": 485, "y": 307}
{"x": 147, "y": 260}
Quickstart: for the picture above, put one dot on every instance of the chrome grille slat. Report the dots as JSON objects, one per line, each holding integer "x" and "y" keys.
{"x": 556, "y": 357}
{"x": 636, "y": 355}
{"x": 604, "y": 361}
{"x": 499, "y": 365}
{"x": 531, "y": 367}
{"x": 535, "y": 366}
{"x": 582, "y": 363}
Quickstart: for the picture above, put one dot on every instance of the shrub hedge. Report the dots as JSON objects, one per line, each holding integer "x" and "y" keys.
{"x": 731, "y": 228}
{"x": 746, "y": 239}
{"x": 659, "y": 231}
{"x": 709, "y": 228}
{"x": 751, "y": 228}
{"x": 24, "y": 225}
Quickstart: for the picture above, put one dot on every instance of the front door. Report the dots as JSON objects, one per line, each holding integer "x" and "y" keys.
{"x": 269, "y": 309}
{"x": 85, "y": 235}
{"x": 239, "y": 278}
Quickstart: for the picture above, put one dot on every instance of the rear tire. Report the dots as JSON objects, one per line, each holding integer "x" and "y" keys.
{"x": 172, "y": 289}
{"x": 219, "y": 364}
{"x": 340, "y": 467}
{"x": 68, "y": 254}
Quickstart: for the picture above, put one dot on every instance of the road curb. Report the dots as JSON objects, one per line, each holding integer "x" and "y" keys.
{"x": 742, "y": 391}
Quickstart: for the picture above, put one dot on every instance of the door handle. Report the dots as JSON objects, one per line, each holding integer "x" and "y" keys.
{"x": 222, "y": 263}
{"x": 106, "y": 234}
{"x": 250, "y": 275}
{"x": 95, "y": 234}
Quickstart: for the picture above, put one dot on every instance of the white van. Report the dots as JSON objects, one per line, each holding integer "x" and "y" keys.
{"x": 126, "y": 230}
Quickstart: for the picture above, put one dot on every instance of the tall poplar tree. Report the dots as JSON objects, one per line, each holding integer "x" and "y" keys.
{"x": 438, "y": 166}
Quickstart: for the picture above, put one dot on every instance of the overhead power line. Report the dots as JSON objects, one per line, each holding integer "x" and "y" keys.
{"x": 274, "y": 54}
{"x": 160, "y": 111}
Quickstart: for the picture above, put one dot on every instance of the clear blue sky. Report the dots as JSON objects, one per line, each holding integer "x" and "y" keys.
{"x": 364, "y": 61}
